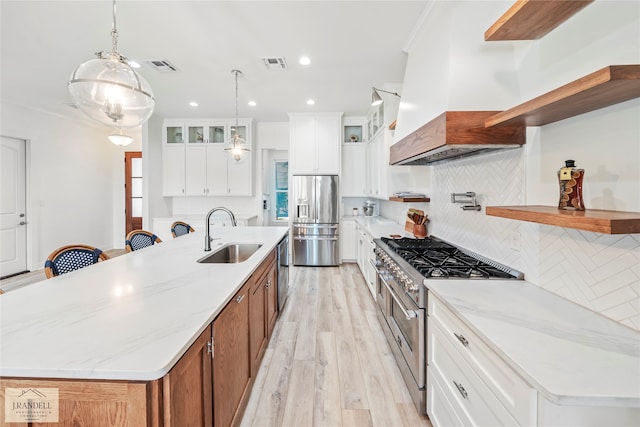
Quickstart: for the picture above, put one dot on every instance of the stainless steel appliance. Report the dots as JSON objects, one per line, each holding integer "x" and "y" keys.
{"x": 283, "y": 271}
{"x": 315, "y": 220}
{"x": 403, "y": 267}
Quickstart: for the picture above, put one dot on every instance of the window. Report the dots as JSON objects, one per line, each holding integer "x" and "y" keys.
{"x": 282, "y": 190}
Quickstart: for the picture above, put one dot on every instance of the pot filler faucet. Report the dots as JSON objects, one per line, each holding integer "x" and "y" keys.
{"x": 207, "y": 237}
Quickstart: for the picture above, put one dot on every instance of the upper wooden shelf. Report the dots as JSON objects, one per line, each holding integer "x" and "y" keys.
{"x": 532, "y": 19}
{"x": 409, "y": 199}
{"x": 605, "y": 87}
{"x": 599, "y": 221}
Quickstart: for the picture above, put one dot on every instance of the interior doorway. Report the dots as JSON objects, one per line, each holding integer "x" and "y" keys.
{"x": 13, "y": 207}
{"x": 133, "y": 190}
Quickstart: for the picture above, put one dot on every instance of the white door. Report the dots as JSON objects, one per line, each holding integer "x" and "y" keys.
{"x": 13, "y": 229}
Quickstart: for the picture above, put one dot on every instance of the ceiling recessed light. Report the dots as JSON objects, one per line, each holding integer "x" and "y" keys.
{"x": 193, "y": 104}
{"x": 252, "y": 103}
{"x": 310, "y": 102}
{"x": 305, "y": 60}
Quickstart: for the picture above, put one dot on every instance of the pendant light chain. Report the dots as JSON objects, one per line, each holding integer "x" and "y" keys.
{"x": 114, "y": 30}
{"x": 237, "y": 72}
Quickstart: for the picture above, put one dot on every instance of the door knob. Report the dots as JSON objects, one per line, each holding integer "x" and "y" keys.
{"x": 22, "y": 223}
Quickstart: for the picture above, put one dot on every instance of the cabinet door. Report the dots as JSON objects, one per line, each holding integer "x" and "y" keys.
{"x": 257, "y": 324}
{"x": 271, "y": 286}
{"x": 173, "y": 171}
{"x": 196, "y": 171}
{"x": 348, "y": 248}
{"x": 302, "y": 144}
{"x": 187, "y": 388}
{"x": 216, "y": 171}
{"x": 373, "y": 166}
{"x": 231, "y": 365}
{"x": 354, "y": 170}
{"x": 329, "y": 142}
{"x": 239, "y": 177}
{"x": 361, "y": 251}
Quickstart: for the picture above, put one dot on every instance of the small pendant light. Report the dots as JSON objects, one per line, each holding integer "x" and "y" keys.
{"x": 109, "y": 91}
{"x": 237, "y": 146}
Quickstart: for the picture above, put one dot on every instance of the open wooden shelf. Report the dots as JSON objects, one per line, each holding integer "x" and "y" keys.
{"x": 532, "y": 19}
{"x": 605, "y": 87}
{"x": 409, "y": 199}
{"x": 599, "y": 221}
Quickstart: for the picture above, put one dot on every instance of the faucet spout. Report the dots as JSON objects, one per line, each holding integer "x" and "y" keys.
{"x": 207, "y": 237}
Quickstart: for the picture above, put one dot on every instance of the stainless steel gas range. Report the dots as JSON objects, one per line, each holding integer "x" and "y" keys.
{"x": 403, "y": 267}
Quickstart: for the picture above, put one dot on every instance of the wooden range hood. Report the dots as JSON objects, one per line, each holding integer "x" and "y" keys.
{"x": 452, "y": 135}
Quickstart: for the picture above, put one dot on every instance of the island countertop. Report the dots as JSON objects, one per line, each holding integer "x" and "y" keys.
{"x": 572, "y": 355}
{"x": 128, "y": 318}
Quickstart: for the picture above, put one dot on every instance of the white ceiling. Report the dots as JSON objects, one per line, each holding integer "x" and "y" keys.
{"x": 353, "y": 45}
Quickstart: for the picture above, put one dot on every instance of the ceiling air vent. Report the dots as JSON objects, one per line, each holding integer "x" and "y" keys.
{"x": 275, "y": 63}
{"x": 162, "y": 65}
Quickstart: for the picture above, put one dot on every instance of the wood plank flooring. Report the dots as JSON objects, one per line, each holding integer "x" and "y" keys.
{"x": 328, "y": 363}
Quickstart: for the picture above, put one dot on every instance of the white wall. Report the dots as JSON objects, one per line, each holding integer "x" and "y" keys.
{"x": 601, "y": 272}
{"x": 74, "y": 181}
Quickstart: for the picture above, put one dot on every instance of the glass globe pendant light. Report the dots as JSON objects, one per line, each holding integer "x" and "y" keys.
{"x": 108, "y": 90}
{"x": 237, "y": 146}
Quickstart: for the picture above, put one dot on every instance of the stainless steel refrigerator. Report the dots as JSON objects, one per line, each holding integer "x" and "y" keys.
{"x": 315, "y": 220}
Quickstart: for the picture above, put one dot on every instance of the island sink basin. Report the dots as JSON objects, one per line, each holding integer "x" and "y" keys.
{"x": 231, "y": 253}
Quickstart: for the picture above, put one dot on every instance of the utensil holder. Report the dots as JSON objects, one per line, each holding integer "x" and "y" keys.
{"x": 419, "y": 231}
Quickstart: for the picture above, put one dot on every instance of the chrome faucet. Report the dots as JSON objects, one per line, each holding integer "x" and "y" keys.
{"x": 207, "y": 237}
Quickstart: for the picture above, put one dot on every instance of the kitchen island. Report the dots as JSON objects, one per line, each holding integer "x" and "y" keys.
{"x": 128, "y": 320}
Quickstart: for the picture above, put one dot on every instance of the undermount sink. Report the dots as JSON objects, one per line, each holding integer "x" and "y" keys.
{"x": 231, "y": 253}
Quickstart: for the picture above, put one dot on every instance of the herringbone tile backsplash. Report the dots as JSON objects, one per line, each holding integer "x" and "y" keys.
{"x": 598, "y": 271}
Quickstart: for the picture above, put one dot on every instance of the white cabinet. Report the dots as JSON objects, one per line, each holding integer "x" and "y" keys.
{"x": 365, "y": 257}
{"x": 348, "y": 250}
{"x": 468, "y": 381}
{"x": 354, "y": 170}
{"x": 315, "y": 142}
{"x": 195, "y": 162}
{"x": 173, "y": 171}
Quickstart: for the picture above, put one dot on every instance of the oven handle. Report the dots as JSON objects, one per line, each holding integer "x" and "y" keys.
{"x": 409, "y": 314}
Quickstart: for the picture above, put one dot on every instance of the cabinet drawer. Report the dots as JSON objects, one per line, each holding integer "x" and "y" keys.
{"x": 511, "y": 390}
{"x": 439, "y": 407}
{"x": 462, "y": 386}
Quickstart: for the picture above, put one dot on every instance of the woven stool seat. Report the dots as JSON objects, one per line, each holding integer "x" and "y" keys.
{"x": 72, "y": 257}
{"x": 180, "y": 228}
{"x": 138, "y": 239}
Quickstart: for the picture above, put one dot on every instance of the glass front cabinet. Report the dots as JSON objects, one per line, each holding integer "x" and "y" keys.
{"x": 194, "y": 158}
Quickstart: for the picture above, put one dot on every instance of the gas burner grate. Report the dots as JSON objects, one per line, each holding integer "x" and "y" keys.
{"x": 437, "y": 259}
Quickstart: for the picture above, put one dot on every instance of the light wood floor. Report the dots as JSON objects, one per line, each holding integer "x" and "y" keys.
{"x": 328, "y": 363}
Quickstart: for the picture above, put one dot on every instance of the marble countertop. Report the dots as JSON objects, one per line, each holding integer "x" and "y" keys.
{"x": 572, "y": 355}
{"x": 128, "y": 318}
{"x": 379, "y": 226}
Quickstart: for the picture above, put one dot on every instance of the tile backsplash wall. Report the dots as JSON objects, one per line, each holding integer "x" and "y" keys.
{"x": 598, "y": 271}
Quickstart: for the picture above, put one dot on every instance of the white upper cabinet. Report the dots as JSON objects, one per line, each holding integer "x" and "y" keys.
{"x": 315, "y": 143}
{"x": 195, "y": 162}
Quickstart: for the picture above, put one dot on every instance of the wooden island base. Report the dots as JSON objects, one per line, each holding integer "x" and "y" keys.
{"x": 212, "y": 380}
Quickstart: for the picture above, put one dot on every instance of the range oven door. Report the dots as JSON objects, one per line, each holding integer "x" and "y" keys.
{"x": 408, "y": 330}
{"x": 406, "y": 335}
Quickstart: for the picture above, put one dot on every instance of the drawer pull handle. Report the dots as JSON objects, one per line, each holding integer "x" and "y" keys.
{"x": 240, "y": 298}
{"x": 461, "y": 389}
{"x": 462, "y": 339}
